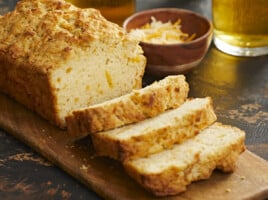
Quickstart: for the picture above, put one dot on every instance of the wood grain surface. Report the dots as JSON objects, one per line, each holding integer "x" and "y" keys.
{"x": 107, "y": 177}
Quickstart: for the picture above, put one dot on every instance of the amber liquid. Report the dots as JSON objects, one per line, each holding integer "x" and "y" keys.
{"x": 242, "y": 23}
{"x": 113, "y": 10}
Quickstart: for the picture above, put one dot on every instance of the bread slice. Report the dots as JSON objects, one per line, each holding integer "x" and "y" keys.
{"x": 170, "y": 171}
{"x": 138, "y": 105}
{"x": 55, "y": 58}
{"x": 155, "y": 134}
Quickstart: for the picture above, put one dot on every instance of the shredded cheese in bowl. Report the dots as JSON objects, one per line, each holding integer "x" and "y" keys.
{"x": 158, "y": 32}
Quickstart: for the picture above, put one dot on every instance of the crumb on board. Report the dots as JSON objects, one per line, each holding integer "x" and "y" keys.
{"x": 84, "y": 167}
{"x": 228, "y": 190}
{"x": 65, "y": 194}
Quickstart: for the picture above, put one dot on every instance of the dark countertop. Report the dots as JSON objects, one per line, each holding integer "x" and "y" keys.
{"x": 237, "y": 85}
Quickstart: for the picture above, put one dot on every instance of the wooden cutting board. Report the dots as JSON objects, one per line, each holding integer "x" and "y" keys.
{"x": 107, "y": 177}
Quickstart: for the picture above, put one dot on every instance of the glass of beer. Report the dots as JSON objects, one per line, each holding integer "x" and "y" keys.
{"x": 113, "y": 10}
{"x": 241, "y": 26}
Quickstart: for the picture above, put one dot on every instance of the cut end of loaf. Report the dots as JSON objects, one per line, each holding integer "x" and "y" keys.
{"x": 93, "y": 79}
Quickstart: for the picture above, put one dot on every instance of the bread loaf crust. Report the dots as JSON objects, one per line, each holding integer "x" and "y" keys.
{"x": 147, "y": 102}
{"x": 24, "y": 85}
{"x": 55, "y": 58}
{"x": 156, "y": 134}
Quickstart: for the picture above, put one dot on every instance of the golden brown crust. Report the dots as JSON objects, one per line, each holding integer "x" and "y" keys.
{"x": 29, "y": 88}
{"x": 168, "y": 93}
{"x": 177, "y": 127}
{"x": 47, "y": 32}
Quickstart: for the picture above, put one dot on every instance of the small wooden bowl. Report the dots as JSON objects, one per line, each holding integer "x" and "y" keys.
{"x": 167, "y": 59}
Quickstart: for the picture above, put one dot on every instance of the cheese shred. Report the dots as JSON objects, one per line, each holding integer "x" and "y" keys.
{"x": 158, "y": 32}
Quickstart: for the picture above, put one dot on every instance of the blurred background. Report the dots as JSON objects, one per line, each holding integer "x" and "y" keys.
{"x": 204, "y": 8}
{"x": 6, "y": 5}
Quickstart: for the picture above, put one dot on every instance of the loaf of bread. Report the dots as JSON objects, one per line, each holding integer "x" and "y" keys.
{"x": 55, "y": 58}
{"x": 155, "y": 134}
{"x": 170, "y": 171}
{"x": 138, "y": 105}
